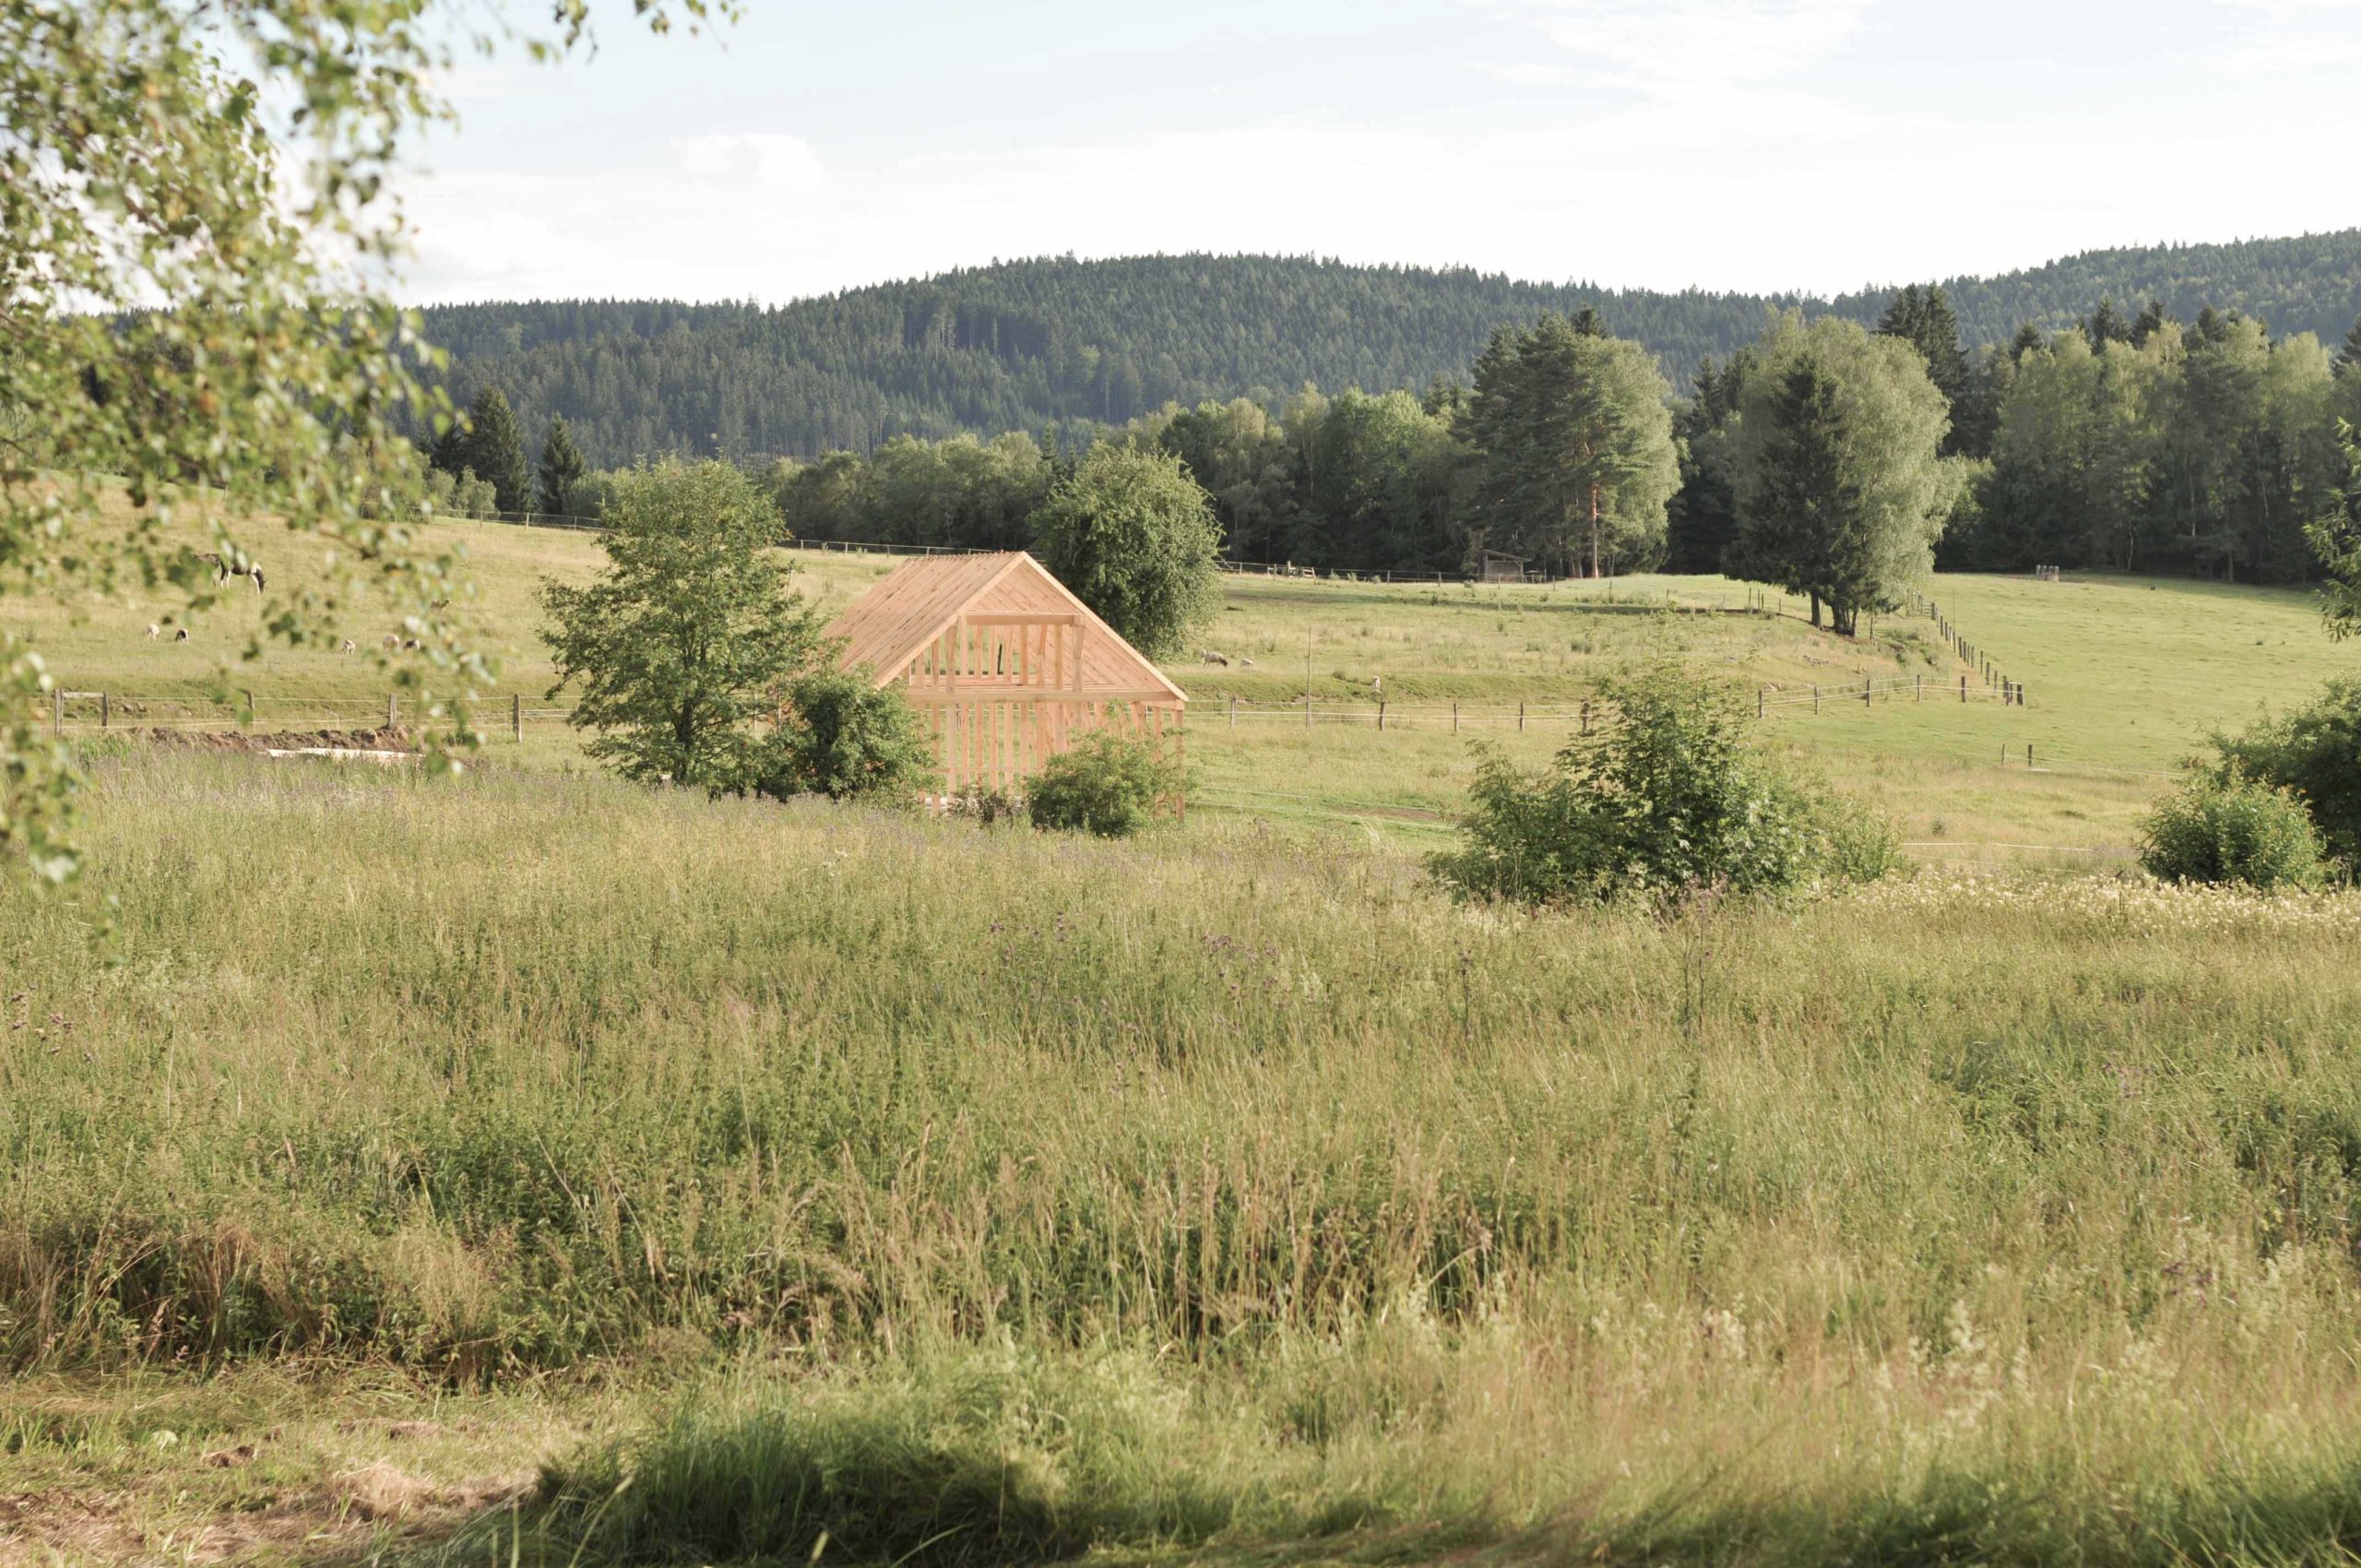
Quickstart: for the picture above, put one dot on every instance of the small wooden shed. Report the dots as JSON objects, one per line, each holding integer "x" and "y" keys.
{"x": 1009, "y": 666}
{"x": 1499, "y": 566}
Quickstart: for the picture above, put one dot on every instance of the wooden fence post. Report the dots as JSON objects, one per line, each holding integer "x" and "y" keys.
{"x": 103, "y": 710}
{"x": 1380, "y": 716}
{"x": 2028, "y": 756}
{"x": 56, "y": 712}
{"x": 248, "y": 722}
{"x": 1918, "y": 688}
{"x": 1454, "y": 719}
{"x": 1866, "y": 683}
{"x": 1307, "y": 713}
{"x": 1758, "y": 702}
{"x": 1962, "y": 688}
{"x": 1520, "y": 717}
{"x": 1815, "y": 696}
{"x": 1233, "y": 710}
{"x": 1585, "y": 716}
{"x": 516, "y": 715}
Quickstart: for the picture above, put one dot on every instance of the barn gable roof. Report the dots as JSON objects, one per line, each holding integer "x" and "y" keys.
{"x": 915, "y": 603}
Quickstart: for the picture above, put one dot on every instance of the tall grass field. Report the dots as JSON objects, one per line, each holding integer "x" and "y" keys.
{"x": 795, "y": 1182}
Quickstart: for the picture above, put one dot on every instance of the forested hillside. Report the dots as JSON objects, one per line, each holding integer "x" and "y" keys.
{"x": 1021, "y": 345}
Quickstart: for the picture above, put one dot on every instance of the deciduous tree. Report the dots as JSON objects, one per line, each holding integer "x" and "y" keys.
{"x": 1842, "y": 488}
{"x": 1135, "y": 537}
{"x": 680, "y": 649}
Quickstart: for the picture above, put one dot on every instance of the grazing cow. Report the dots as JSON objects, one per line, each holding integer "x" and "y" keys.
{"x": 224, "y": 571}
{"x": 392, "y": 641}
{"x": 154, "y": 631}
{"x": 180, "y": 636}
{"x": 1210, "y": 657}
{"x": 346, "y": 647}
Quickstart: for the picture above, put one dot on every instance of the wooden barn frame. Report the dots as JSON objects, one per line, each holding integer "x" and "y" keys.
{"x": 1009, "y": 668}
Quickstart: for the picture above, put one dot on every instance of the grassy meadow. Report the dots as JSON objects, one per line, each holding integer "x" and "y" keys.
{"x": 523, "y": 1166}
{"x": 986, "y": 1197}
{"x": 2127, "y": 678}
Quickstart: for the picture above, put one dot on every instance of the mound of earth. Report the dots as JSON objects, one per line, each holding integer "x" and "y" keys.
{"x": 384, "y": 739}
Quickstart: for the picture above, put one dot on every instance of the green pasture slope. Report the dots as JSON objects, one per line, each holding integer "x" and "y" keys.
{"x": 2127, "y": 678}
{"x": 527, "y": 1167}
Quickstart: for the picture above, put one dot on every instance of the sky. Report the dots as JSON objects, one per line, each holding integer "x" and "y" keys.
{"x": 1813, "y": 146}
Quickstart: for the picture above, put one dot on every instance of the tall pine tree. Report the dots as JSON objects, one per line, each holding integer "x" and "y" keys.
{"x": 1841, "y": 493}
{"x": 1579, "y": 461}
{"x": 497, "y": 451}
{"x": 1922, "y": 317}
{"x": 562, "y": 466}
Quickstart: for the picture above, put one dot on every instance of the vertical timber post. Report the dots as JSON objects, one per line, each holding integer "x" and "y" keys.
{"x": 103, "y": 713}
{"x": 516, "y": 715}
{"x": 1520, "y": 717}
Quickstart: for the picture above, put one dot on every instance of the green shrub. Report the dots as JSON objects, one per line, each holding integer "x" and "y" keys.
{"x": 843, "y": 736}
{"x": 1107, "y": 784}
{"x": 2232, "y": 829}
{"x": 1665, "y": 797}
{"x": 2314, "y": 752}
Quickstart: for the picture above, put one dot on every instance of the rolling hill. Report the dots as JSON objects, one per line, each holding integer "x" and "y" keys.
{"x": 1025, "y": 344}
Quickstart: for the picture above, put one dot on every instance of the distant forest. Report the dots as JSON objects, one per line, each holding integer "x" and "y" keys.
{"x": 1040, "y": 344}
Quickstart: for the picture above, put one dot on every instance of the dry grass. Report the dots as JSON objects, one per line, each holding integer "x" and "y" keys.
{"x": 1196, "y": 1195}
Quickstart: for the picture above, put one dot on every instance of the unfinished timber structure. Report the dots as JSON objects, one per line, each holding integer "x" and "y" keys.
{"x": 1008, "y": 666}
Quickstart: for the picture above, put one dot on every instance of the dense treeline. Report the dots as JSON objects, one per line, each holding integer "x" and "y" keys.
{"x": 1833, "y": 460}
{"x": 1021, "y": 345}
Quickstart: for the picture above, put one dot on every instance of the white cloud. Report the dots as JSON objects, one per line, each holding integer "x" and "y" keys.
{"x": 761, "y": 161}
{"x": 1678, "y": 48}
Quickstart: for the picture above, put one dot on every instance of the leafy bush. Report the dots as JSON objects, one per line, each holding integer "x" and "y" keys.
{"x": 842, "y": 735}
{"x": 1665, "y": 797}
{"x": 1135, "y": 539}
{"x": 2315, "y": 752}
{"x": 2232, "y": 829}
{"x": 1107, "y": 784}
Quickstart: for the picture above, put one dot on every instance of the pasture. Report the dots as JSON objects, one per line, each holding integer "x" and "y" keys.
{"x": 522, "y": 1166}
{"x": 2127, "y": 678}
{"x": 1177, "y": 1195}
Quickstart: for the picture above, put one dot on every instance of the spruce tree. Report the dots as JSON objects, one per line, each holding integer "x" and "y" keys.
{"x": 1923, "y": 318}
{"x": 2105, "y": 324}
{"x": 497, "y": 451}
{"x": 2151, "y": 322}
{"x": 2028, "y": 337}
{"x": 449, "y": 452}
{"x": 2349, "y": 355}
{"x": 1841, "y": 493}
{"x": 562, "y": 466}
{"x": 1577, "y": 446}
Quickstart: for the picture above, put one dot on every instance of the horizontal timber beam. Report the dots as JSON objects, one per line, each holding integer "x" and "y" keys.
{"x": 1022, "y": 618}
{"x": 974, "y": 691}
